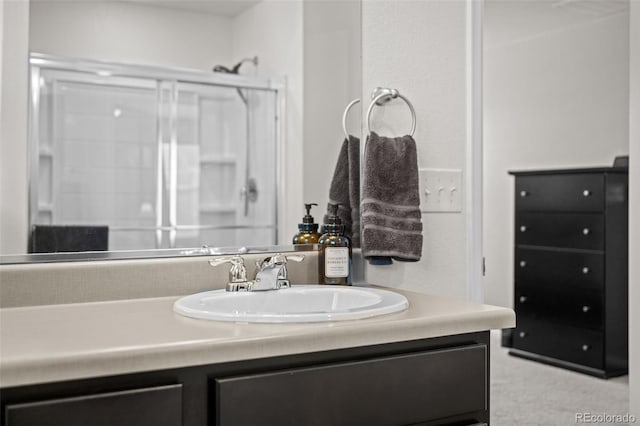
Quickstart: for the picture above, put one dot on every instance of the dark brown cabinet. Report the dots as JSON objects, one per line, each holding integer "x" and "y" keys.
{"x": 395, "y": 390}
{"x": 570, "y": 269}
{"x": 160, "y": 406}
{"x": 437, "y": 381}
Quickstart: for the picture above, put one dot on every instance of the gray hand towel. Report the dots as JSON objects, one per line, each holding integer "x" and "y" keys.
{"x": 391, "y": 217}
{"x": 345, "y": 188}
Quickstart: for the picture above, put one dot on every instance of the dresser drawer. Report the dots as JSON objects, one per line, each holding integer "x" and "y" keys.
{"x": 572, "y": 344}
{"x": 572, "y": 269}
{"x": 580, "y": 231}
{"x": 577, "y": 308}
{"x": 562, "y": 192}
{"x": 393, "y": 390}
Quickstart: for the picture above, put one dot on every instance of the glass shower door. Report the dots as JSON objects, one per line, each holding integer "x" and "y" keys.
{"x": 224, "y": 189}
{"x": 161, "y": 162}
{"x": 96, "y": 162}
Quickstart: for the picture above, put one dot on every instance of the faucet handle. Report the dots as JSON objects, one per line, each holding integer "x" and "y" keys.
{"x": 237, "y": 272}
{"x": 278, "y": 259}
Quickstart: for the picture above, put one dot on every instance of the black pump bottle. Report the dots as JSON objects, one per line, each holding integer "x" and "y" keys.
{"x": 334, "y": 258}
{"x": 308, "y": 229}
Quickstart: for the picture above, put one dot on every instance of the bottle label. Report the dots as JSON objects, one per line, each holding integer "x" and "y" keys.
{"x": 336, "y": 262}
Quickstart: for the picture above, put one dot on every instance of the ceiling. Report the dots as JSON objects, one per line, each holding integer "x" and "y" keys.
{"x": 228, "y": 8}
{"x": 511, "y": 20}
{"x": 216, "y": 7}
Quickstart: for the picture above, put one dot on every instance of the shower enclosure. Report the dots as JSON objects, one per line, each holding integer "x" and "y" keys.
{"x": 165, "y": 158}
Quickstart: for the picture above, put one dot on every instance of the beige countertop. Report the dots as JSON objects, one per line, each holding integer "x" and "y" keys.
{"x": 63, "y": 342}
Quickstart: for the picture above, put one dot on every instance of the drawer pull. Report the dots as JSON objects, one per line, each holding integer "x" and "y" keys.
{"x": 586, "y": 193}
{"x": 523, "y": 334}
{"x": 586, "y": 308}
{"x": 523, "y": 228}
{"x": 523, "y": 299}
{"x": 523, "y": 263}
{"x": 586, "y": 231}
{"x": 524, "y": 193}
{"x": 585, "y": 270}
{"x": 585, "y": 348}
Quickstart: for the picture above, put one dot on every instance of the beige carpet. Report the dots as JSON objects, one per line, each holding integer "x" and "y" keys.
{"x": 529, "y": 393}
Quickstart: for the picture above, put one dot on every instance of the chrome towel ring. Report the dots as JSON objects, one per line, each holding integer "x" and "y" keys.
{"x": 381, "y": 96}
{"x": 344, "y": 117}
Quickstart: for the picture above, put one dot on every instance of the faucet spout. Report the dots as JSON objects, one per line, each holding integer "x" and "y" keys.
{"x": 272, "y": 272}
{"x": 272, "y": 278}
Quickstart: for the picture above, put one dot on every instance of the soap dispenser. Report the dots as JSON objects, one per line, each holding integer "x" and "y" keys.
{"x": 308, "y": 229}
{"x": 334, "y": 257}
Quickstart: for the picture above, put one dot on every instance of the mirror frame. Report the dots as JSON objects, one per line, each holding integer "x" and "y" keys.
{"x": 87, "y": 256}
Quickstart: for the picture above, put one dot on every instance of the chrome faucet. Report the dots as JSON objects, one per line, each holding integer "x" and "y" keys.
{"x": 272, "y": 272}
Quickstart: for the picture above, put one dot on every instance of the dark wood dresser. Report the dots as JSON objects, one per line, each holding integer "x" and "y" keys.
{"x": 571, "y": 269}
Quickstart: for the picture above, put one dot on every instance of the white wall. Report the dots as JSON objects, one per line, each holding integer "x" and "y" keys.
{"x": 418, "y": 47}
{"x": 14, "y": 39}
{"x": 129, "y": 32}
{"x": 273, "y": 31}
{"x": 332, "y": 79}
{"x": 555, "y": 99}
{"x": 634, "y": 212}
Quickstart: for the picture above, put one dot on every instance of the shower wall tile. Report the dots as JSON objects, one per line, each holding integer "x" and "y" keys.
{"x": 115, "y": 209}
{"x": 134, "y": 129}
{"x": 86, "y": 127}
{"x": 132, "y": 240}
{"x": 84, "y": 99}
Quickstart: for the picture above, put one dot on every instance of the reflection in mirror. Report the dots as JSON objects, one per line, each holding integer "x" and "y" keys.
{"x": 157, "y": 157}
{"x": 177, "y": 124}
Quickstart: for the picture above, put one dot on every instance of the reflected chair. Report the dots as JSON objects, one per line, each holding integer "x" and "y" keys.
{"x": 54, "y": 238}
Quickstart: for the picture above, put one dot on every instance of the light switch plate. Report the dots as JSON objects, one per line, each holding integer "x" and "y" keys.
{"x": 440, "y": 190}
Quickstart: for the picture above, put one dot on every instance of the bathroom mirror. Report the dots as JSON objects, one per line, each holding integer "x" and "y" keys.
{"x": 133, "y": 133}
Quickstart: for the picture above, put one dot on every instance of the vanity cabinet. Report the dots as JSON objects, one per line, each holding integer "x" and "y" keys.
{"x": 436, "y": 381}
{"x": 158, "y": 406}
{"x": 571, "y": 263}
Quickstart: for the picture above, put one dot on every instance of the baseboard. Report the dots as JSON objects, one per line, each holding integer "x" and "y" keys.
{"x": 595, "y": 372}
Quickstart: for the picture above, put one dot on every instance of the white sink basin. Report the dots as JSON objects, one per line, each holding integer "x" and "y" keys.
{"x": 300, "y": 303}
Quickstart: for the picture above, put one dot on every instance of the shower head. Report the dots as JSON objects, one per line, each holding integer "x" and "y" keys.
{"x": 236, "y": 67}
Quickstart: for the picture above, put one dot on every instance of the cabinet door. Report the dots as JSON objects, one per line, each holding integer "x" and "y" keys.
{"x": 575, "y": 192}
{"x": 403, "y": 389}
{"x": 158, "y": 406}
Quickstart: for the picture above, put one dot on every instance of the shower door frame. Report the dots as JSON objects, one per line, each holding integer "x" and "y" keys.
{"x": 162, "y": 77}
